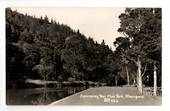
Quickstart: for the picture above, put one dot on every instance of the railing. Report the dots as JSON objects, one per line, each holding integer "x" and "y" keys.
{"x": 149, "y": 91}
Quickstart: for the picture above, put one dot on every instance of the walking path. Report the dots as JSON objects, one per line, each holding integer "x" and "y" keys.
{"x": 109, "y": 96}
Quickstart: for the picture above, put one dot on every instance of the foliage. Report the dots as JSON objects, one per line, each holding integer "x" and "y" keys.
{"x": 41, "y": 49}
{"x": 141, "y": 41}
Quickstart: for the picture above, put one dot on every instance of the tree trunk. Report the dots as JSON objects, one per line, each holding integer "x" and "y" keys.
{"x": 116, "y": 81}
{"x": 45, "y": 89}
{"x": 139, "y": 77}
{"x": 74, "y": 77}
{"x": 127, "y": 72}
{"x": 155, "y": 81}
{"x": 134, "y": 81}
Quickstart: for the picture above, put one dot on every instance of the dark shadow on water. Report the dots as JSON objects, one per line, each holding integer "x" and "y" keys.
{"x": 38, "y": 96}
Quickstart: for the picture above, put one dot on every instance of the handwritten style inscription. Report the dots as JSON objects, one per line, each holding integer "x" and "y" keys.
{"x": 111, "y": 98}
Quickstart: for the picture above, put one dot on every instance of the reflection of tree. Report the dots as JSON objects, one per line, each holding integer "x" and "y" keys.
{"x": 50, "y": 95}
{"x": 71, "y": 90}
{"x": 42, "y": 99}
{"x": 47, "y": 96}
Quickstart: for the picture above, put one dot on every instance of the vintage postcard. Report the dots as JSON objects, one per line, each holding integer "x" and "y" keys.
{"x": 97, "y": 56}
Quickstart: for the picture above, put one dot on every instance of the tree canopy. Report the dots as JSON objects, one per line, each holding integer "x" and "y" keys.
{"x": 38, "y": 48}
{"x": 141, "y": 41}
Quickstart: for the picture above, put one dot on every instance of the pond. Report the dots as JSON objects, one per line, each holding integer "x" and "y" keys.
{"x": 39, "y": 96}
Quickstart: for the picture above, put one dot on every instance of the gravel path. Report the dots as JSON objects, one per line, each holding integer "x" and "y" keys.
{"x": 109, "y": 96}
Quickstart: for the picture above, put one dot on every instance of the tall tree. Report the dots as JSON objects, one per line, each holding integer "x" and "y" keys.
{"x": 123, "y": 44}
{"x": 139, "y": 26}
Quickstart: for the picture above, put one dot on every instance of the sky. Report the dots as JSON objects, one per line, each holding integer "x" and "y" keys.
{"x": 100, "y": 23}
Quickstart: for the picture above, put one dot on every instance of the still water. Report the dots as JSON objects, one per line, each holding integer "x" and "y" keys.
{"x": 39, "y": 96}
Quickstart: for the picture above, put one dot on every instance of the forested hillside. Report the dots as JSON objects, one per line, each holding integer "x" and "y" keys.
{"x": 41, "y": 48}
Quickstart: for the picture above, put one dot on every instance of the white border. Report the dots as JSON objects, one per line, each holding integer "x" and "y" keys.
{"x": 88, "y": 3}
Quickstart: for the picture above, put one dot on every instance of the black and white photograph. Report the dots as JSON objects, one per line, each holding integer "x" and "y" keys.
{"x": 97, "y": 56}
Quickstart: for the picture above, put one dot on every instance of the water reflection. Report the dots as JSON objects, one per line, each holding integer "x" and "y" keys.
{"x": 39, "y": 96}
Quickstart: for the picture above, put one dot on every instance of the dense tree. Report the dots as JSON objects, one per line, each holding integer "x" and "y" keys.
{"x": 122, "y": 44}
{"x": 52, "y": 51}
{"x": 142, "y": 28}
